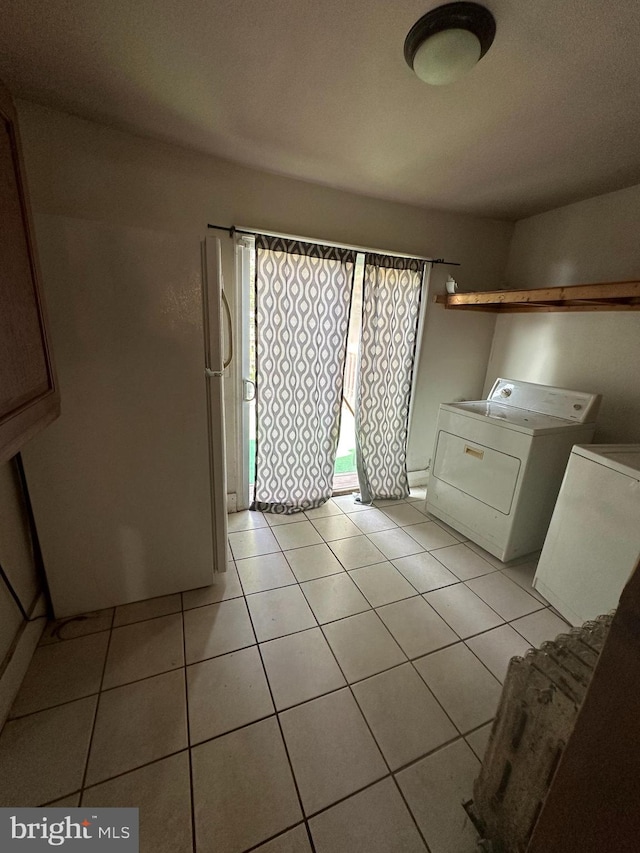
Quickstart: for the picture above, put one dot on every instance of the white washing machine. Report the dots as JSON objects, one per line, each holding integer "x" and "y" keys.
{"x": 593, "y": 543}
{"x": 498, "y": 463}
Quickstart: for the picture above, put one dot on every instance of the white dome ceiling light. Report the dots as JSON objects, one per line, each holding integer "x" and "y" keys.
{"x": 448, "y": 41}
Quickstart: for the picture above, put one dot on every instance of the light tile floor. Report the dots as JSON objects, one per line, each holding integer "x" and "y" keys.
{"x": 333, "y": 691}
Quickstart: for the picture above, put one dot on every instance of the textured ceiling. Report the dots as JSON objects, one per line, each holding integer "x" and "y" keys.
{"x": 318, "y": 89}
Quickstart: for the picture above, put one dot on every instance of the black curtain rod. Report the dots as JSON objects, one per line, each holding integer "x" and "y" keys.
{"x": 231, "y": 230}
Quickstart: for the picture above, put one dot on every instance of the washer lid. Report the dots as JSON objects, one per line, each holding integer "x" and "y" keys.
{"x": 577, "y": 406}
{"x": 510, "y": 417}
{"x": 624, "y": 458}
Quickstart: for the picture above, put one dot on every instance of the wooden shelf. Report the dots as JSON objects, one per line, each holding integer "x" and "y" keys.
{"x": 612, "y": 296}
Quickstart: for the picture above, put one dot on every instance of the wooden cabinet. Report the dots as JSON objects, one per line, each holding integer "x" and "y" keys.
{"x": 29, "y": 397}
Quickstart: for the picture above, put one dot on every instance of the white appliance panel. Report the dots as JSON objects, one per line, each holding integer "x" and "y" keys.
{"x": 577, "y": 406}
{"x": 593, "y": 542}
{"x": 497, "y": 468}
{"x": 121, "y": 483}
{"x": 509, "y": 417}
{"x": 488, "y": 475}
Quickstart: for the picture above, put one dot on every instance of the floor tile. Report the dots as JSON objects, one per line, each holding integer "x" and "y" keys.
{"x": 463, "y": 686}
{"x": 77, "y": 626}
{"x": 300, "y": 667}
{"x": 328, "y": 508}
{"x": 245, "y": 520}
{"x": 225, "y": 586}
{"x": 416, "y": 626}
{"x": 143, "y": 649}
{"x": 388, "y": 501}
{"x": 463, "y": 610}
{"x": 463, "y": 562}
{"x": 294, "y": 841}
{"x": 162, "y": 792}
{"x": 494, "y": 561}
{"x": 455, "y": 533}
{"x": 356, "y": 551}
{"x": 280, "y": 611}
{"x": 138, "y": 723}
{"x": 382, "y": 584}
{"x": 395, "y": 543}
{"x": 334, "y": 597}
{"x": 479, "y": 739}
{"x": 496, "y": 648}
{"x": 243, "y": 789}
{"x": 217, "y": 629}
{"x": 71, "y": 802}
{"x": 148, "y": 609}
{"x": 498, "y": 564}
{"x": 61, "y": 672}
{"x": 275, "y": 519}
{"x": 348, "y": 504}
{"x": 266, "y": 572}
{"x": 43, "y": 755}
{"x": 424, "y": 572}
{"x": 252, "y": 543}
{"x": 331, "y": 749}
{"x": 523, "y": 575}
{"x": 315, "y": 561}
{"x": 404, "y": 514}
{"x": 363, "y": 646}
{"x": 540, "y": 626}
{"x": 435, "y": 788}
{"x": 374, "y": 821}
{"x": 372, "y": 521}
{"x": 297, "y": 535}
{"x": 336, "y": 527}
{"x": 405, "y": 719}
{"x": 430, "y": 535}
{"x": 225, "y": 693}
{"x": 504, "y": 596}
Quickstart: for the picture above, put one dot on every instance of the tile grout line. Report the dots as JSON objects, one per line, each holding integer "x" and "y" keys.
{"x": 457, "y": 641}
{"x": 97, "y": 709}
{"x": 123, "y": 773}
{"x": 277, "y": 718}
{"x": 276, "y": 712}
{"x": 366, "y": 722}
{"x": 188, "y": 722}
{"x": 459, "y": 736}
{"x": 292, "y": 633}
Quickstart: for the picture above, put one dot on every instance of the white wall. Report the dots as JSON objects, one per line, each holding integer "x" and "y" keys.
{"x": 81, "y": 169}
{"x": 591, "y": 241}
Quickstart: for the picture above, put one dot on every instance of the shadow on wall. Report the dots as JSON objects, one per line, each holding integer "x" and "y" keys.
{"x": 592, "y": 351}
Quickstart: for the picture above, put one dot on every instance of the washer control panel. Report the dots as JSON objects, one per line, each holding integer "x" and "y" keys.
{"x": 578, "y": 406}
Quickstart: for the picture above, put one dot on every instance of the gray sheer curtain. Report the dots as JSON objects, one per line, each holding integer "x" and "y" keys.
{"x": 303, "y": 298}
{"x": 391, "y": 296}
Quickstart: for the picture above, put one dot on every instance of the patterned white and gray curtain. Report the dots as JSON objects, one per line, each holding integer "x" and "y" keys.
{"x": 303, "y": 299}
{"x": 391, "y": 296}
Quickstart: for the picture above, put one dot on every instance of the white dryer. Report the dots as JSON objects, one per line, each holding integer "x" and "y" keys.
{"x": 593, "y": 543}
{"x": 498, "y": 463}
